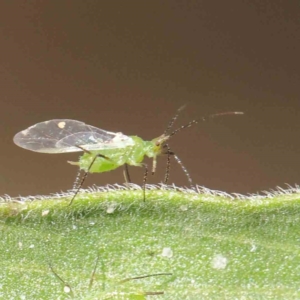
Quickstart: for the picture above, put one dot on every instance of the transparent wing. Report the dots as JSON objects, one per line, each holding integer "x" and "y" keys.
{"x": 62, "y": 135}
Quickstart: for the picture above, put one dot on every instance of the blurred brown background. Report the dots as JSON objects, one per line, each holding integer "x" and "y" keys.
{"x": 128, "y": 65}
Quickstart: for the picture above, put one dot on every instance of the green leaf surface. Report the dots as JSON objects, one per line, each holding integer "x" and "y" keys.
{"x": 215, "y": 246}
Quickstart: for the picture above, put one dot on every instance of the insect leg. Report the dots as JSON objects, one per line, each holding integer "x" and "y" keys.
{"x": 77, "y": 180}
{"x": 145, "y": 180}
{"x": 126, "y": 174}
{"x": 85, "y": 175}
{"x": 144, "y": 276}
{"x": 94, "y": 273}
{"x": 154, "y": 163}
{"x": 184, "y": 169}
{"x": 66, "y": 285}
{"x": 169, "y": 153}
{"x": 84, "y": 150}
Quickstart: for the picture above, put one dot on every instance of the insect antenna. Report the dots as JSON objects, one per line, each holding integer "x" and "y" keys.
{"x": 196, "y": 121}
{"x": 191, "y": 123}
{"x": 170, "y": 125}
{"x": 172, "y": 121}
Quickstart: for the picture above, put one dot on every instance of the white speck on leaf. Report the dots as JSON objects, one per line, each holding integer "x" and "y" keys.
{"x": 167, "y": 252}
{"x": 31, "y": 246}
{"x": 67, "y": 289}
{"x": 219, "y": 262}
{"x": 183, "y": 208}
{"x": 45, "y": 212}
{"x": 111, "y": 208}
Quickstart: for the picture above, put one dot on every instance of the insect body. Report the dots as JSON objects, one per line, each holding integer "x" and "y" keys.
{"x": 131, "y": 153}
{"x": 103, "y": 150}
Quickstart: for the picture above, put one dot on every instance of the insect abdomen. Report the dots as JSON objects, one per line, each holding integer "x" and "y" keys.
{"x": 101, "y": 164}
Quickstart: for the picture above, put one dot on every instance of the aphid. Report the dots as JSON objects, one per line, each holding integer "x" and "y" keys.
{"x": 103, "y": 150}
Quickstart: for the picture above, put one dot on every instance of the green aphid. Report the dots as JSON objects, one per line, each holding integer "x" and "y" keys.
{"x": 103, "y": 150}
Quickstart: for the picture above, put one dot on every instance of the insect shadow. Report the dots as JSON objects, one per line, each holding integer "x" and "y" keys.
{"x": 67, "y": 288}
{"x": 103, "y": 150}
